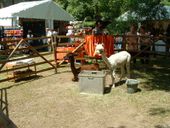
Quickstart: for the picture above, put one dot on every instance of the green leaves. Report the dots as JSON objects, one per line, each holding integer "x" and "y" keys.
{"x": 108, "y": 9}
{"x": 111, "y": 9}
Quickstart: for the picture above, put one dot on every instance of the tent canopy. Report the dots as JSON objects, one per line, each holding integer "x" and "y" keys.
{"x": 133, "y": 16}
{"x": 45, "y": 9}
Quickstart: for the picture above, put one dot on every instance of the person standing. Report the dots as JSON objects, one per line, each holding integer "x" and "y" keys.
{"x": 49, "y": 41}
{"x": 70, "y": 34}
{"x": 30, "y": 41}
{"x": 145, "y": 42}
{"x": 132, "y": 41}
{"x": 98, "y": 30}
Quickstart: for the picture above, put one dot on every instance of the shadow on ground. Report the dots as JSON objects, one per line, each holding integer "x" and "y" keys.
{"x": 159, "y": 111}
{"x": 162, "y": 126}
{"x": 117, "y": 127}
{"x": 30, "y": 78}
{"x": 5, "y": 121}
{"x": 156, "y": 74}
{"x": 108, "y": 89}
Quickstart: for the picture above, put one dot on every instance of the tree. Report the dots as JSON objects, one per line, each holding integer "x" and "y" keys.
{"x": 146, "y": 9}
{"x": 166, "y": 2}
{"x": 108, "y": 9}
{"x": 140, "y": 10}
{"x": 112, "y": 9}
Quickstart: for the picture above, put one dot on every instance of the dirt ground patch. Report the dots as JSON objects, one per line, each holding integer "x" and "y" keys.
{"x": 54, "y": 101}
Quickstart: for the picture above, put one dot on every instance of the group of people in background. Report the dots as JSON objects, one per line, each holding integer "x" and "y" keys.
{"x": 99, "y": 29}
{"x": 142, "y": 41}
{"x": 49, "y": 33}
{"x": 137, "y": 39}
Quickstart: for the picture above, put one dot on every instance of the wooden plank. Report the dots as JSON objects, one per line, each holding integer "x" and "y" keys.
{"x": 12, "y": 53}
{"x": 36, "y": 47}
{"x": 6, "y": 104}
{"x": 6, "y": 79}
{"x": 35, "y": 51}
{"x": 65, "y": 44}
{"x": 43, "y": 70}
{"x": 80, "y": 45}
{"x": 17, "y": 40}
{"x": 54, "y": 44}
{"x": 64, "y": 36}
{"x": 16, "y": 59}
{"x": 1, "y": 98}
{"x": 63, "y": 51}
{"x": 25, "y": 66}
{"x": 21, "y": 49}
{"x": 39, "y": 71}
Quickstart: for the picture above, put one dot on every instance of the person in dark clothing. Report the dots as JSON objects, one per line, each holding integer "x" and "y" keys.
{"x": 98, "y": 30}
{"x": 2, "y": 46}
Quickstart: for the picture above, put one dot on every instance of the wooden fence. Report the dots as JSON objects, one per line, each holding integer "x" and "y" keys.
{"x": 14, "y": 53}
{"x": 124, "y": 46}
{"x": 152, "y": 45}
{"x": 4, "y": 101}
{"x": 14, "y": 49}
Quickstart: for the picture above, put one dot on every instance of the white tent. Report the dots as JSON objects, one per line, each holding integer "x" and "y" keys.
{"x": 133, "y": 16}
{"x": 45, "y": 9}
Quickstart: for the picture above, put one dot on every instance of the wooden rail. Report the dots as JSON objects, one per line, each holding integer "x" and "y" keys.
{"x": 56, "y": 42}
{"x": 124, "y": 45}
{"x": 4, "y": 101}
{"x": 12, "y": 53}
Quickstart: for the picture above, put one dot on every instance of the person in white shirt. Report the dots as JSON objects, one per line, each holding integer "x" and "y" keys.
{"x": 30, "y": 42}
{"x": 49, "y": 34}
{"x": 70, "y": 33}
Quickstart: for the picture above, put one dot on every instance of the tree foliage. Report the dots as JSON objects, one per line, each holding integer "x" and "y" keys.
{"x": 150, "y": 9}
{"x": 166, "y": 2}
{"x": 112, "y": 9}
{"x": 96, "y": 9}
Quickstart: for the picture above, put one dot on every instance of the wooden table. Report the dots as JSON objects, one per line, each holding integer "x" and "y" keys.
{"x": 17, "y": 72}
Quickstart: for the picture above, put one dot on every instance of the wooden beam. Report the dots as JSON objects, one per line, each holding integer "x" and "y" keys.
{"x": 21, "y": 41}
{"x": 35, "y": 51}
{"x": 80, "y": 45}
{"x": 24, "y": 66}
{"x": 27, "y": 57}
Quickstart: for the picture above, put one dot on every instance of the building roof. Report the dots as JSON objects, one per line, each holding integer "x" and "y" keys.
{"x": 45, "y": 9}
{"x": 132, "y": 16}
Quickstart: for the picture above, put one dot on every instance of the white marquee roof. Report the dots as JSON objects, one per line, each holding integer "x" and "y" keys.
{"x": 45, "y": 9}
